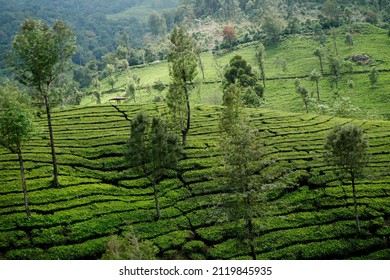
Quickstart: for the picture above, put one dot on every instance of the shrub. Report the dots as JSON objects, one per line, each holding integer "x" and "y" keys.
{"x": 25, "y": 254}
{"x": 91, "y": 249}
{"x": 127, "y": 246}
{"x": 173, "y": 239}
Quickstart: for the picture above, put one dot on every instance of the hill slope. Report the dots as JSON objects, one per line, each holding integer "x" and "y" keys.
{"x": 99, "y": 193}
{"x": 297, "y": 52}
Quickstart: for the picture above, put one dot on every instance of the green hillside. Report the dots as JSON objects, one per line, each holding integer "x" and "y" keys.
{"x": 143, "y": 10}
{"x": 297, "y": 52}
{"x": 312, "y": 218}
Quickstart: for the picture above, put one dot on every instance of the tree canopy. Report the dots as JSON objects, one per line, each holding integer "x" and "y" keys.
{"x": 15, "y": 128}
{"x": 40, "y": 53}
{"x": 346, "y": 148}
{"x": 152, "y": 149}
{"x": 38, "y": 56}
{"x": 183, "y": 62}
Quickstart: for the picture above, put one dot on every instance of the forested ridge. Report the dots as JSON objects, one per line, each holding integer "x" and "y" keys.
{"x": 193, "y": 129}
{"x": 96, "y": 34}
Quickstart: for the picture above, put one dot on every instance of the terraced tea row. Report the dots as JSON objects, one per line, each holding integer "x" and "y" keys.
{"x": 310, "y": 216}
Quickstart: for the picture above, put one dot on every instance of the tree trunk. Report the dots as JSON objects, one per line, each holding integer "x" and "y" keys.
{"x": 21, "y": 165}
{"x": 307, "y": 105}
{"x": 53, "y": 152}
{"x": 321, "y": 66}
{"x": 318, "y": 91}
{"x": 249, "y": 226}
{"x": 201, "y": 65}
{"x": 156, "y": 201}
{"x": 355, "y": 202}
{"x": 262, "y": 73}
{"x": 188, "y": 122}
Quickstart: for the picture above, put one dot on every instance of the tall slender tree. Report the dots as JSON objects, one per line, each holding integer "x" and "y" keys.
{"x": 303, "y": 92}
{"x": 39, "y": 54}
{"x": 260, "y": 60}
{"x": 183, "y": 62}
{"x": 346, "y": 148}
{"x": 15, "y": 129}
{"x": 320, "y": 53}
{"x": 315, "y": 76}
{"x": 246, "y": 186}
{"x": 153, "y": 149}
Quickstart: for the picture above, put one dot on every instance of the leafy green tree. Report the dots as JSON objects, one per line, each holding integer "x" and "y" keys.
{"x": 260, "y": 60}
{"x": 110, "y": 70}
{"x": 157, "y": 24}
{"x": 319, "y": 34}
{"x": 320, "y": 53}
{"x": 128, "y": 246}
{"x": 335, "y": 68}
{"x": 152, "y": 149}
{"x": 346, "y": 148}
{"x": 239, "y": 72}
{"x": 97, "y": 89}
{"x": 373, "y": 76}
{"x": 246, "y": 187}
{"x": 334, "y": 34}
{"x": 112, "y": 82}
{"x": 231, "y": 115}
{"x": 39, "y": 54}
{"x": 272, "y": 26}
{"x": 183, "y": 62}
{"x": 330, "y": 9}
{"x": 241, "y": 160}
{"x": 344, "y": 108}
{"x": 130, "y": 90}
{"x": 281, "y": 63}
{"x": 315, "y": 76}
{"x": 15, "y": 129}
{"x": 348, "y": 15}
{"x": 159, "y": 87}
{"x": 303, "y": 92}
{"x": 348, "y": 39}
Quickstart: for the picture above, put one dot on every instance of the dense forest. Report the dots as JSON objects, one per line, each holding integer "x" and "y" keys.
{"x": 96, "y": 33}
{"x": 191, "y": 129}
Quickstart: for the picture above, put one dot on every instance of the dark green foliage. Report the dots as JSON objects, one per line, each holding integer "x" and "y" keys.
{"x": 346, "y": 149}
{"x": 127, "y": 246}
{"x": 348, "y": 39}
{"x": 152, "y": 149}
{"x": 315, "y": 76}
{"x": 15, "y": 129}
{"x": 239, "y": 73}
{"x": 183, "y": 62}
{"x": 373, "y": 75}
{"x": 272, "y": 25}
{"x": 260, "y": 54}
{"x": 157, "y": 24}
{"x": 303, "y": 92}
{"x": 15, "y": 119}
{"x": 39, "y": 53}
{"x": 38, "y": 56}
{"x": 320, "y": 53}
{"x": 231, "y": 115}
{"x": 242, "y": 160}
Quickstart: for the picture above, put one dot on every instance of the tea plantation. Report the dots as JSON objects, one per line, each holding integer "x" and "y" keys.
{"x": 311, "y": 217}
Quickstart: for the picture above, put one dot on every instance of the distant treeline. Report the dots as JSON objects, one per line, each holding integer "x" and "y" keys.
{"x": 96, "y": 35}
